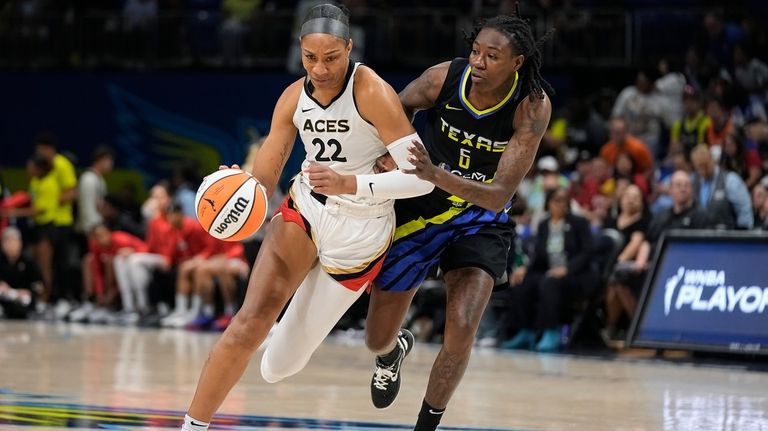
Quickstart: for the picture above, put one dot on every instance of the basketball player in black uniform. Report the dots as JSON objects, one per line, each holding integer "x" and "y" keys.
{"x": 485, "y": 118}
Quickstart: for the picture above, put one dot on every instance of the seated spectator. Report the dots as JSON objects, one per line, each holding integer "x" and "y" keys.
{"x": 622, "y": 142}
{"x": 722, "y": 194}
{"x": 20, "y": 279}
{"x": 548, "y": 178}
{"x": 559, "y": 272}
{"x": 684, "y": 213}
{"x": 134, "y": 270}
{"x": 107, "y": 246}
{"x": 623, "y": 286}
{"x": 691, "y": 130}
{"x": 625, "y": 168}
{"x": 228, "y": 266}
{"x": 189, "y": 303}
{"x": 584, "y": 185}
{"x": 742, "y": 159}
{"x": 99, "y": 296}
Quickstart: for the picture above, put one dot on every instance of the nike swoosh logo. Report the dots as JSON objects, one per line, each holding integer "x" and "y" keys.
{"x": 434, "y": 412}
{"x": 306, "y": 110}
{"x": 196, "y": 424}
{"x": 452, "y": 108}
{"x": 370, "y": 185}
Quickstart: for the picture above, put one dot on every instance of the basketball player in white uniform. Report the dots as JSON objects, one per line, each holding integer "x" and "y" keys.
{"x": 327, "y": 250}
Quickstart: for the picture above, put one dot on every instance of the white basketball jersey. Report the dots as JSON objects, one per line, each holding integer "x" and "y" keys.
{"x": 337, "y": 136}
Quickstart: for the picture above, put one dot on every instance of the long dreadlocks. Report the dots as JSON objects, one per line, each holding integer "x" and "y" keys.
{"x": 518, "y": 31}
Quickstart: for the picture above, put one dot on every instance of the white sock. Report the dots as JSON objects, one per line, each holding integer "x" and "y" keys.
{"x": 229, "y": 309}
{"x": 197, "y": 302}
{"x": 208, "y": 310}
{"x": 182, "y": 303}
{"x": 191, "y": 424}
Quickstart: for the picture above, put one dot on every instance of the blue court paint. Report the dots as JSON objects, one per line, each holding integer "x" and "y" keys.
{"x": 25, "y": 409}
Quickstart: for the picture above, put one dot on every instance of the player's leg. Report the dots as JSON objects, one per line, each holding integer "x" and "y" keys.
{"x": 471, "y": 263}
{"x": 468, "y": 292}
{"x": 386, "y": 313}
{"x": 404, "y": 269}
{"x": 277, "y": 273}
{"x": 318, "y": 304}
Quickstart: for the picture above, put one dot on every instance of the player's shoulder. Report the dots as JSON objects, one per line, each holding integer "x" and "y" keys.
{"x": 535, "y": 106}
{"x": 369, "y": 83}
{"x": 289, "y": 100}
{"x": 294, "y": 90}
{"x": 437, "y": 74}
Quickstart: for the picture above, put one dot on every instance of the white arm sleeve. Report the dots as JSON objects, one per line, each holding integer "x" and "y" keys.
{"x": 395, "y": 184}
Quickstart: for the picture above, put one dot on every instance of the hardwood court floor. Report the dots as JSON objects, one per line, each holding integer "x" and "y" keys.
{"x": 62, "y": 376}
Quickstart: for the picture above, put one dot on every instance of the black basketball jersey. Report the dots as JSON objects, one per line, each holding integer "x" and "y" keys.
{"x": 462, "y": 139}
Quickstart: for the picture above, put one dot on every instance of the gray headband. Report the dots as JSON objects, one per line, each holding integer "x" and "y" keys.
{"x": 327, "y": 26}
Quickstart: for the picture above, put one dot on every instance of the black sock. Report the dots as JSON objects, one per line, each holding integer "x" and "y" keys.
{"x": 391, "y": 357}
{"x": 429, "y": 418}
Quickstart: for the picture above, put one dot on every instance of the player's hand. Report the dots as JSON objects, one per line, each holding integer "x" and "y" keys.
{"x": 423, "y": 167}
{"x": 235, "y": 166}
{"x": 384, "y": 163}
{"x": 326, "y": 181}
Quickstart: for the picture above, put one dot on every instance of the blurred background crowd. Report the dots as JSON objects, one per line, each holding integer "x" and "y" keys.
{"x": 660, "y": 123}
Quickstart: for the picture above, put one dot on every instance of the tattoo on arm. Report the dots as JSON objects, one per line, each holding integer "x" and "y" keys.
{"x": 279, "y": 167}
{"x": 539, "y": 126}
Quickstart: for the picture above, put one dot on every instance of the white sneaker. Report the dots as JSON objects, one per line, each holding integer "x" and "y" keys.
{"x": 97, "y": 315}
{"x": 81, "y": 313}
{"x": 63, "y": 307}
{"x": 167, "y": 321}
{"x": 129, "y": 318}
{"x": 183, "y": 320}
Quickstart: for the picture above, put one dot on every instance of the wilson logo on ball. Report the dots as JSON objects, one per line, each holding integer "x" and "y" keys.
{"x": 234, "y": 215}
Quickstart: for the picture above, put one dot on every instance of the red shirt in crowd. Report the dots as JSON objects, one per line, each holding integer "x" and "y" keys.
{"x": 118, "y": 240}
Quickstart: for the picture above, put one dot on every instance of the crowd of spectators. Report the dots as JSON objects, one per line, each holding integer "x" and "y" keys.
{"x": 108, "y": 260}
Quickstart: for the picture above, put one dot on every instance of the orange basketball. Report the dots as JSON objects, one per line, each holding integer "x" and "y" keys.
{"x": 231, "y": 204}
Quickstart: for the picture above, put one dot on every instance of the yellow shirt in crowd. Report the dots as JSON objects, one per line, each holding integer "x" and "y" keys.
{"x": 45, "y": 194}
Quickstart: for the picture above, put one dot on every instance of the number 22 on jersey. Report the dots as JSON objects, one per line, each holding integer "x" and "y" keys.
{"x": 325, "y": 148}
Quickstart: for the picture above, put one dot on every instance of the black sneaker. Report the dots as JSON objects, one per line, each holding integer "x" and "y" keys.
{"x": 385, "y": 384}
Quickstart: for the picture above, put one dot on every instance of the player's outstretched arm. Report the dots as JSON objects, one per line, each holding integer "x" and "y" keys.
{"x": 531, "y": 120}
{"x": 277, "y": 146}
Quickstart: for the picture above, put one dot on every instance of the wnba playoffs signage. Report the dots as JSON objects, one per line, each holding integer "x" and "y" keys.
{"x": 709, "y": 293}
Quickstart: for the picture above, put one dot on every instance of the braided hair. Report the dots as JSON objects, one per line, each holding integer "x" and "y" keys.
{"x": 519, "y": 34}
